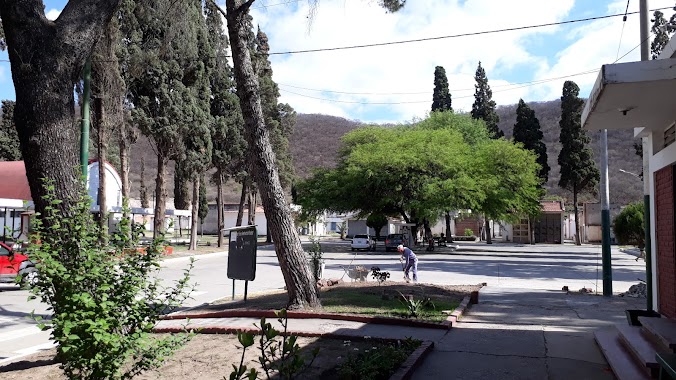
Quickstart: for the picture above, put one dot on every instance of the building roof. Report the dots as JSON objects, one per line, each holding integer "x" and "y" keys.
{"x": 13, "y": 183}
{"x": 552, "y": 206}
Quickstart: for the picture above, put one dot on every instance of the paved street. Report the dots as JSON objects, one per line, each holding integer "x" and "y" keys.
{"x": 547, "y": 267}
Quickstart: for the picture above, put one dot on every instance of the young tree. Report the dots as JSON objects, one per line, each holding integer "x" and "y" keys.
{"x": 628, "y": 226}
{"x": 441, "y": 97}
{"x": 10, "y": 149}
{"x": 527, "y": 132}
{"x": 579, "y": 173}
{"x": 484, "y": 106}
{"x": 45, "y": 104}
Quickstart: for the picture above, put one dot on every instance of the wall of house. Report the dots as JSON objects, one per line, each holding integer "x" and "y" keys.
{"x": 470, "y": 222}
{"x": 666, "y": 247}
{"x": 230, "y": 219}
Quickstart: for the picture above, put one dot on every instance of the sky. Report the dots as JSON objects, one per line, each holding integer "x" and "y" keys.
{"x": 394, "y": 83}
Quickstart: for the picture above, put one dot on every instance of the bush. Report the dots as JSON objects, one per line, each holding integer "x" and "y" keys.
{"x": 378, "y": 363}
{"x": 103, "y": 302}
{"x": 469, "y": 232}
{"x": 628, "y": 225}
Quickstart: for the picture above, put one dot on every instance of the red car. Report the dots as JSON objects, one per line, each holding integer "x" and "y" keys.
{"x": 13, "y": 264}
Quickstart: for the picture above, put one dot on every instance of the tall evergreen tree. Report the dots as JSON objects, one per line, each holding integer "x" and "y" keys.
{"x": 579, "y": 173}
{"x": 10, "y": 150}
{"x": 227, "y": 125}
{"x": 527, "y": 131}
{"x": 441, "y": 97}
{"x": 143, "y": 190}
{"x": 484, "y": 106}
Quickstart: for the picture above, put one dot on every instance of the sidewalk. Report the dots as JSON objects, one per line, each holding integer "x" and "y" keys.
{"x": 510, "y": 334}
{"x": 527, "y": 334}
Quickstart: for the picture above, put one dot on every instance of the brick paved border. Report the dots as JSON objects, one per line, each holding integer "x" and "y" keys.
{"x": 452, "y": 319}
{"x": 413, "y": 361}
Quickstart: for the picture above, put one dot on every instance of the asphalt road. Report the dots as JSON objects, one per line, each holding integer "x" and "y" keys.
{"x": 501, "y": 265}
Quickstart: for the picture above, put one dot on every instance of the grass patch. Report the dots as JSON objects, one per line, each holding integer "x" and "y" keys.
{"x": 370, "y": 302}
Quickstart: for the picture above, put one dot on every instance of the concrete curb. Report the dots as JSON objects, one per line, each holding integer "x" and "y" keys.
{"x": 455, "y": 316}
{"x": 413, "y": 361}
{"x": 404, "y": 372}
{"x": 308, "y": 315}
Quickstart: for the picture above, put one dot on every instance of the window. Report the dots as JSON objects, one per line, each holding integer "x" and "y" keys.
{"x": 333, "y": 226}
{"x": 4, "y": 251}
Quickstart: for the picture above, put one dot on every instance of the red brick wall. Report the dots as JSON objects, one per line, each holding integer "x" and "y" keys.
{"x": 666, "y": 250}
{"x": 472, "y": 223}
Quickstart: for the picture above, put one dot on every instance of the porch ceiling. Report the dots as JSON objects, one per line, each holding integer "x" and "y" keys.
{"x": 630, "y": 95}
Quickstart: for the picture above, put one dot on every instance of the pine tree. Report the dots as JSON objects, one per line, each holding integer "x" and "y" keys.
{"x": 579, "y": 173}
{"x": 441, "y": 98}
{"x": 143, "y": 190}
{"x": 527, "y": 131}
{"x": 10, "y": 150}
{"x": 203, "y": 203}
{"x": 484, "y": 105}
{"x": 662, "y": 29}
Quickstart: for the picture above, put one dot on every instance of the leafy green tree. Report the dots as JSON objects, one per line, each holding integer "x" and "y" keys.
{"x": 662, "y": 29}
{"x": 484, "y": 106}
{"x": 441, "y": 98}
{"x": 10, "y": 150}
{"x": 376, "y": 221}
{"x": 579, "y": 173}
{"x": 527, "y": 132}
{"x": 509, "y": 175}
{"x": 628, "y": 225}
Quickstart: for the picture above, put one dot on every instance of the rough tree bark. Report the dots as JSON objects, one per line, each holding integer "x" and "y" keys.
{"x": 46, "y": 58}
{"x": 101, "y": 147}
{"x": 292, "y": 261}
{"x": 195, "y": 209}
{"x": 578, "y": 241}
{"x": 219, "y": 206}
{"x": 242, "y": 201}
{"x": 251, "y": 211}
{"x": 489, "y": 238}
{"x": 161, "y": 198}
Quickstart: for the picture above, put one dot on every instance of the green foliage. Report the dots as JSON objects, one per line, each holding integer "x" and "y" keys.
{"x": 10, "y": 150}
{"x": 628, "y": 225}
{"x": 469, "y": 232}
{"x": 441, "y": 97}
{"x": 279, "y": 358}
{"x": 378, "y": 363}
{"x": 527, "y": 132}
{"x": 663, "y": 30}
{"x": 104, "y": 299}
{"x": 483, "y": 107}
{"x": 472, "y": 130}
{"x": 579, "y": 173}
{"x": 376, "y": 221}
{"x": 203, "y": 202}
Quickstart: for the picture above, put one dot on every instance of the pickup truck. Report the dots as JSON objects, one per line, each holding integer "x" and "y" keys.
{"x": 13, "y": 264}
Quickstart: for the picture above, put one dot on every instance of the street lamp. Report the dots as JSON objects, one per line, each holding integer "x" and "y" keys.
{"x": 630, "y": 173}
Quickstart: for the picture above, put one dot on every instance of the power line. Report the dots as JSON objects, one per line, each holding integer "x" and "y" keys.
{"x": 460, "y": 34}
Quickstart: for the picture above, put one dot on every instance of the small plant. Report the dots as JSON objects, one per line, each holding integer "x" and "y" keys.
{"x": 379, "y": 362}
{"x": 104, "y": 298}
{"x": 469, "y": 232}
{"x": 378, "y": 275}
{"x": 342, "y": 229}
{"x": 413, "y": 307}
{"x": 278, "y": 358}
{"x": 316, "y": 257}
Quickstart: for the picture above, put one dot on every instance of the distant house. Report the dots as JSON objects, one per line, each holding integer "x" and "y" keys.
{"x": 547, "y": 228}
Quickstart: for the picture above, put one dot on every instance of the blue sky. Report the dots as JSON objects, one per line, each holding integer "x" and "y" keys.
{"x": 350, "y": 83}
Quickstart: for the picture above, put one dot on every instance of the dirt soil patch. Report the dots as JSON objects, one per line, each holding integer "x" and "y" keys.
{"x": 206, "y": 356}
{"x": 362, "y": 298}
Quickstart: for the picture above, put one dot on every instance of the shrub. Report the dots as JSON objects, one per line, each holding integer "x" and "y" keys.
{"x": 103, "y": 302}
{"x": 469, "y": 232}
{"x": 628, "y": 225}
{"x": 316, "y": 257}
{"x": 377, "y": 363}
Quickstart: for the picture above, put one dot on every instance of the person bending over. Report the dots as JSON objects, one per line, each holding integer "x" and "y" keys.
{"x": 411, "y": 261}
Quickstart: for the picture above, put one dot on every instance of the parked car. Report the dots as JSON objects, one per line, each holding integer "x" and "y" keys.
{"x": 13, "y": 264}
{"x": 363, "y": 242}
{"x": 392, "y": 241}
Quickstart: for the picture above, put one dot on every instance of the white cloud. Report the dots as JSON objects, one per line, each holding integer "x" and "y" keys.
{"x": 405, "y": 68}
{"x": 53, "y": 14}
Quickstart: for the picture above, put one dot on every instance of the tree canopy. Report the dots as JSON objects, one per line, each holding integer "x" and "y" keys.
{"x": 9, "y": 139}
{"x": 441, "y": 97}
{"x": 484, "y": 106}
{"x": 527, "y": 131}
{"x": 628, "y": 225}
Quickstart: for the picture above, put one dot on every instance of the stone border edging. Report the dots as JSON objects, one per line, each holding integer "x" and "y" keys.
{"x": 308, "y": 315}
{"x": 452, "y": 319}
{"x": 413, "y": 361}
{"x": 404, "y": 372}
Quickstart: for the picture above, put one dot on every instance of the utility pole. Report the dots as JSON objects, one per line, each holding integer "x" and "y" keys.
{"x": 645, "y": 44}
{"x": 605, "y": 219}
{"x": 84, "y": 126}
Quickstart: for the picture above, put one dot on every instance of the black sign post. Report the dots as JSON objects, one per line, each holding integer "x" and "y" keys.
{"x": 242, "y": 256}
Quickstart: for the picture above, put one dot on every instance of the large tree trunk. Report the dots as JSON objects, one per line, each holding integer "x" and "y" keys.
{"x": 489, "y": 239}
{"x": 101, "y": 147}
{"x": 124, "y": 158}
{"x": 219, "y": 205}
{"x": 578, "y": 241}
{"x": 292, "y": 260}
{"x": 449, "y": 237}
{"x": 46, "y": 59}
{"x": 160, "y": 195}
{"x": 251, "y": 211}
{"x": 195, "y": 213}
{"x": 242, "y": 201}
